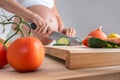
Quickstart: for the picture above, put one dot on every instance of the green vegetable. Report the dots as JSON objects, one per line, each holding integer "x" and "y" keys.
{"x": 99, "y": 43}
{"x": 112, "y": 44}
{"x": 96, "y": 43}
{"x": 63, "y": 41}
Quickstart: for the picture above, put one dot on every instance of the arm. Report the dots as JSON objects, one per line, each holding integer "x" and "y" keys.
{"x": 70, "y": 31}
{"x": 59, "y": 19}
{"x": 14, "y": 7}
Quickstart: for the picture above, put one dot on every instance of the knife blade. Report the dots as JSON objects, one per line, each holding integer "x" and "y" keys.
{"x": 56, "y": 35}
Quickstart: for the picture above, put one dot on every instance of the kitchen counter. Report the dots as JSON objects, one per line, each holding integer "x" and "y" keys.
{"x": 54, "y": 68}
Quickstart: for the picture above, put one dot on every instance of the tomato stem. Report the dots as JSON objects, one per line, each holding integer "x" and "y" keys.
{"x": 5, "y": 42}
{"x": 17, "y": 28}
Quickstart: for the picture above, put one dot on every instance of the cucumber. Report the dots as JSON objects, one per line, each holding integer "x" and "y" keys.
{"x": 63, "y": 41}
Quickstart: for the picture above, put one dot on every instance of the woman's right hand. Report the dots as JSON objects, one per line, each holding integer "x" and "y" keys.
{"x": 42, "y": 26}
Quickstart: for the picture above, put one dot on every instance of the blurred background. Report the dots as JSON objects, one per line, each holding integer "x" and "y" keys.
{"x": 87, "y": 15}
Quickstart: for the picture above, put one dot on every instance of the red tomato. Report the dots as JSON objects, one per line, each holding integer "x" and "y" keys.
{"x": 26, "y": 54}
{"x": 3, "y": 55}
{"x": 85, "y": 41}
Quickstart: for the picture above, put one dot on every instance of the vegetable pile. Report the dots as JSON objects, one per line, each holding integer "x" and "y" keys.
{"x": 98, "y": 39}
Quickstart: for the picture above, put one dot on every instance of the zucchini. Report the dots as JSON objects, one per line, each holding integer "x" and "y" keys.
{"x": 96, "y": 42}
{"x": 63, "y": 41}
{"x": 99, "y": 43}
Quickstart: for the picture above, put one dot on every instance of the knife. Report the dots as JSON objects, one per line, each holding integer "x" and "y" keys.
{"x": 56, "y": 35}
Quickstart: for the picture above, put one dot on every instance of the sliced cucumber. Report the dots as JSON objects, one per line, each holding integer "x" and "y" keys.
{"x": 63, "y": 41}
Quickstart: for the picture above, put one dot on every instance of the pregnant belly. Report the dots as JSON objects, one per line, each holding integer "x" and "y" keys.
{"x": 47, "y": 14}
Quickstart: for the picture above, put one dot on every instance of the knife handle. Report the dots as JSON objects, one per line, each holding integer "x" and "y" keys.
{"x": 33, "y": 26}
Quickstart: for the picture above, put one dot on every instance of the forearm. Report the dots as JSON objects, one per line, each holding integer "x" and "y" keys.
{"x": 60, "y": 23}
{"x": 14, "y": 7}
{"x": 59, "y": 19}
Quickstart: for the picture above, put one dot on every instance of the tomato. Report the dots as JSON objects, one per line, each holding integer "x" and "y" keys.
{"x": 3, "y": 56}
{"x": 26, "y": 54}
{"x": 85, "y": 41}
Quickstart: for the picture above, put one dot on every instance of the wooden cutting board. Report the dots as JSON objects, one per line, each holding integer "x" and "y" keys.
{"x": 77, "y": 57}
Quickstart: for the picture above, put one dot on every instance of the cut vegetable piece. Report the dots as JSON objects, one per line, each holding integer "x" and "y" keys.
{"x": 63, "y": 41}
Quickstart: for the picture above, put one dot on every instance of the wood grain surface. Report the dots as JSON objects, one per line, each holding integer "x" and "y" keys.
{"x": 77, "y": 57}
{"x": 53, "y": 69}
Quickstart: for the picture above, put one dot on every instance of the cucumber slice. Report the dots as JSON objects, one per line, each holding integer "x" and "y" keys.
{"x": 63, "y": 41}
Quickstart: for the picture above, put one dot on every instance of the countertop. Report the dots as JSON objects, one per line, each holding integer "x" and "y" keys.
{"x": 54, "y": 69}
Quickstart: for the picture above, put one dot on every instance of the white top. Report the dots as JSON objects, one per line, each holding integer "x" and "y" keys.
{"x": 28, "y": 3}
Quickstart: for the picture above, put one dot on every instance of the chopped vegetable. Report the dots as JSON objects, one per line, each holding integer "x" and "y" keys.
{"x": 63, "y": 41}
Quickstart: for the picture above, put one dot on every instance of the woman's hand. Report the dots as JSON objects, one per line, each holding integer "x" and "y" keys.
{"x": 42, "y": 26}
{"x": 69, "y": 32}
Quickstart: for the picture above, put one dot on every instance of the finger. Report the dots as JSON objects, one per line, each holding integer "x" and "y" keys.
{"x": 67, "y": 32}
{"x": 41, "y": 29}
{"x": 40, "y": 26}
{"x": 70, "y": 32}
{"x": 73, "y": 33}
{"x": 49, "y": 31}
{"x": 45, "y": 29}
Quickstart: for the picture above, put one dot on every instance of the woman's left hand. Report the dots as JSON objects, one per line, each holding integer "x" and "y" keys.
{"x": 69, "y": 32}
